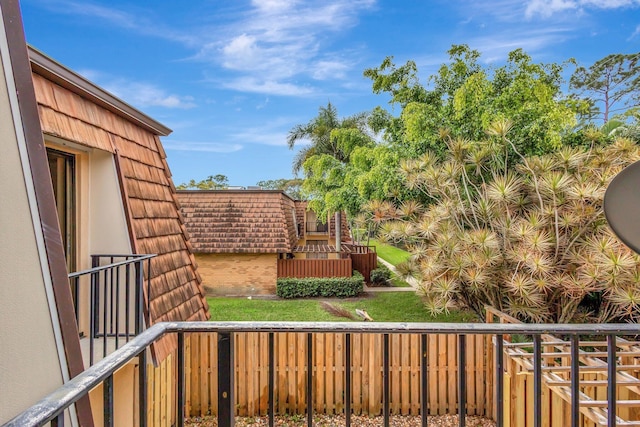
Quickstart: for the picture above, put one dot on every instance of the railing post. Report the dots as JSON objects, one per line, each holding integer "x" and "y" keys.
{"x": 95, "y": 299}
{"x": 93, "y": 313}
{"x": 385, "y": 379}
{"x": 424, "y": 379}
{"x": 347, "y": 379}
{"x": 180, "y": 381}
{"x": 575, "y": 380}
{"x": 499, "y": 395}
{"x": 142, "y": 388}
{"x": 139, "y": 297}
{"x": 309, "y": 379}
{"x": 537, "y": 381}
{"x": 272, "y": 372}
{"x": 462, "y": 382}
{"x": 58, "y": 421}
{"x": 226, "y": 400}
{"x": 611, "y": 379}
{"x": 108, "y": 401}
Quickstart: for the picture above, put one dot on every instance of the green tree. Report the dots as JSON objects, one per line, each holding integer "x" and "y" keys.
{"x": 324, "y": 162}
{"x": 318, "y": 131}
{"x": 464, "y": 97}
{"x": 292, "y": 186}
{"x": 612, "y": 82}
{"x": 212, "y": 182}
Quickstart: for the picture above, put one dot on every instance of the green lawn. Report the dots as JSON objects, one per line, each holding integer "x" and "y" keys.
{"x": 382, "y": 307}
{"x": 389, "y": 253}
{"x": 398, "y": 282}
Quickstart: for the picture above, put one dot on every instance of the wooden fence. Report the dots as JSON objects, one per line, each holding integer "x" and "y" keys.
{"x": 556, "y": 392}
{"x": 251, "y": 374}
{"x": 364, "y": 263}
{"x": 315, "y": 267}
{"x": 161, "y": 394}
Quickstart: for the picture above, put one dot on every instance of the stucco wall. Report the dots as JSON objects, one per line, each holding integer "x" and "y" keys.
{"x": 29, "y": 360}
{"x": 238, "y": 274}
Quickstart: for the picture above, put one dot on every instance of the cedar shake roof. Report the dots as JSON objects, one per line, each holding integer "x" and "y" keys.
{"x": 156, "y": 227}
{"x": 239, "y": 221}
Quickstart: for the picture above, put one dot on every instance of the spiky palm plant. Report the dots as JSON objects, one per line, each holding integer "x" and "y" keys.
{"x": 531, "y": 240}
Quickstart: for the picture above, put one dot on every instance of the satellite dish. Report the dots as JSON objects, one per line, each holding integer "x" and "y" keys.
{"x": 622, "y": 206}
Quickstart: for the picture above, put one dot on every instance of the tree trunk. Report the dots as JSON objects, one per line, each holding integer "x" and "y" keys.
{"x": 338, "y": 231}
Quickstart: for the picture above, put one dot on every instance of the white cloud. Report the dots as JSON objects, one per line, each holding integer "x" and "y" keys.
{"x": 278, "y": 40}
{"x": 273, "y": 46}
{"x": 268, "y": 87}
{"x": 495, "y": 47}
{"x": 635, "y": 33}
{"x": 329, "y": 69}
{"x": 262, "y": 136}
{"x": 547, "y": 8}
{"x": 211, "y": 147}
{"x": 139, "y": 94}
{"x": 263, "y": 104}
{"x": 273, "y": 5}
{"x": 137, "y": 20}
{"x": 147, "y": 95}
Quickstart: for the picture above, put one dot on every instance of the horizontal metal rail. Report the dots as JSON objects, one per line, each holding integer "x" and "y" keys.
{"x": 132, "y": 258}
{"x": 52, "y": 407}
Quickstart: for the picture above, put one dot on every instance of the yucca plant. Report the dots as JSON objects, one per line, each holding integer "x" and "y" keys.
{"x": 524, "y": 234}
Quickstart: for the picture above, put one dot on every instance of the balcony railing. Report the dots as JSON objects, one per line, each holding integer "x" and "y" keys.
{"x": 113, "y": 287}
{"x": 317, "y": 227}
{"x": 51, "y": 408}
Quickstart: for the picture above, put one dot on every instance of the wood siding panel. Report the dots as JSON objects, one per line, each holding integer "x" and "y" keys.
{"x": 314, "y": 268}
{"x": 251, "y": 374}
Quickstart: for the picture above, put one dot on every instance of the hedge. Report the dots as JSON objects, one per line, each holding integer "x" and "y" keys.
{"x": 341, "y": 287}
{"x": 380, "y": 276}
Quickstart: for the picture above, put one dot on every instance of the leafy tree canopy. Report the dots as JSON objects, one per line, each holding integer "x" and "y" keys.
{"x": 612, "y": 82}
{"x": 464, "y": 97}
{"x": 212, "y": 182}
{"x": 293, "y": 186}
{"x": 319, "y": 131}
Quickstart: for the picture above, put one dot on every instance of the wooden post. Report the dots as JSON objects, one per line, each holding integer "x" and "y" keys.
{"x": 338, "y": 231}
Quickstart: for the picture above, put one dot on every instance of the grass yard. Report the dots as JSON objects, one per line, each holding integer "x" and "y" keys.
{"x": 397, "y": 282}
{"x": 389, "y": 253}
{"x": 382, "y": 307}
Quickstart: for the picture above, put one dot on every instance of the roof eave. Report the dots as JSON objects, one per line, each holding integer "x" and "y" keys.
{"x": 52, "y": 70}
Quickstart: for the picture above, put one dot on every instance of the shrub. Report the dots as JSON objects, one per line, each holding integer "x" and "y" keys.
{"x": 341, "y": 287}
{"x": 380, "y": 276}
{"x": 529, "y": 238}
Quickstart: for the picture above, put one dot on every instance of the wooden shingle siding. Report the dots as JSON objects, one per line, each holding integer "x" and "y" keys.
{"x": 176, "y": 291}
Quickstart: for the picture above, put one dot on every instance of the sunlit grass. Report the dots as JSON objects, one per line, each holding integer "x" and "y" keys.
{"x": 382, "y": 307}
{"x": 389, "y": 253}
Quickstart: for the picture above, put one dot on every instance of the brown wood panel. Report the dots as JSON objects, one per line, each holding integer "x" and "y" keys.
{"x": 301, "y": 268}
{"x": 364, "y": 263}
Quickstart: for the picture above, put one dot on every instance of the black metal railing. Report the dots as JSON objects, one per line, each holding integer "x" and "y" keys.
{"x": 113, "y": 287}
{"x": 317, "y": 227}
{"x": 51, "y": 408}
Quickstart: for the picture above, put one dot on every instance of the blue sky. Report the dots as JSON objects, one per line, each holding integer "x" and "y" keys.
{"x": 232, "y": 77}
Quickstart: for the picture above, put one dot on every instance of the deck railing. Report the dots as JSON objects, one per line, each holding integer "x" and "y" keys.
{"x": 114, "y": 285}
{"x": 51, "y": 408}
{"x": 317, "y": 227}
